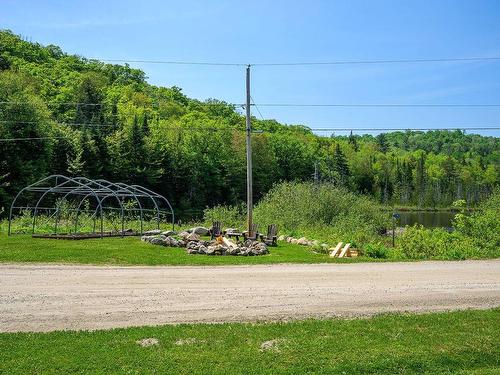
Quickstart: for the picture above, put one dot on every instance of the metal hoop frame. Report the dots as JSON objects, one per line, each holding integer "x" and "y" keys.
{"x": 100, "y": 190}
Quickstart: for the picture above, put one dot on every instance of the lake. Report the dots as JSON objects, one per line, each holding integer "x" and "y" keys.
{"x": 429, "y": 219}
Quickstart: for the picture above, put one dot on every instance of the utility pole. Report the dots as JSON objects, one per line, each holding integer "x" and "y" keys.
{"x": 249, "y": 154}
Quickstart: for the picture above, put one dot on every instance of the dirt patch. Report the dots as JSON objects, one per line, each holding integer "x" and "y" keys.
{"x": 54, "y": 297}
{"x": 188, "y": 341}
{"x": 147, "y": 342}
{"x": 272, "y": 345}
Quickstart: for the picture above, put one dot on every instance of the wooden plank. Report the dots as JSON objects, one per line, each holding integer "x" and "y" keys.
{"x": 335, "y": 250}
{"x": 344, "y": 250}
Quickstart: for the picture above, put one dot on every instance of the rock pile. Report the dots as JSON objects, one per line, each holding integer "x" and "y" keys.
{"x": 248, "y": 248}
{"x": 163, "y": 240}
{"x": 299, "y": 241}
{"x": 194, "y": 245}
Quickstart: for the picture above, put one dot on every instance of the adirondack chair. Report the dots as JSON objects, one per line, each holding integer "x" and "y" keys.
{"x": 252, "y": 235}
{"x": 271, "y": 238}
{"x": 216, "y": 230}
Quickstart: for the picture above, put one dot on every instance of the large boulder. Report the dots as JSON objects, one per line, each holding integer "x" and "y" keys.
{"x": 183, "y": 234}
{"x": 153, "y": 232}
{"x": 193, "y": 237}
{"x": 302, "y": 241}
{"x": 201, "y": 231}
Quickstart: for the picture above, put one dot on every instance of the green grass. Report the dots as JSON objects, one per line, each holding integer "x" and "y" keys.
{"x": 466, "y": 342}
{"x": 132, "y": 251}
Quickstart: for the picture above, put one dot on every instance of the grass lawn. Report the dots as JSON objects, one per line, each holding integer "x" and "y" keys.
{"x": 466, "y": 342}
{"x": 130, "y": 250}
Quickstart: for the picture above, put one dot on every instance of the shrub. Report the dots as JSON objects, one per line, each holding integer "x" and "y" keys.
{"x": 376, "y": 250}
{"x": 420, "y": 243}
{"x": 230, "y": 216}
{"x": 483, "y": 226}
{"x": 322, "y": 212}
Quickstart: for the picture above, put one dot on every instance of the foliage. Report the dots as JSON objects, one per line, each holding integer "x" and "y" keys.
{"x": 376, "y": 250}
{"x": 483, "y": 225}
{"x": 193, "y": 152}
{"x": 475, "y": 236}
{"x": 320, "y": 211}
{"x": 229, "y": 216}
{"x": 420, "y": 243}
{"x": 439, "y": 343}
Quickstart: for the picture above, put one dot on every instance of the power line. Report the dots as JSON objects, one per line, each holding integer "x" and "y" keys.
{"x": 60, "y": 123}
{"x": 261, "y": 131}
{"x": 30, "y": 139}
{"x": 257, "y": 108}
{"x": 303, "y": 63}
{"x": 154, "y": 104}
{"x": 372, "y": 105}
{"x": 409, "y": 129}
{"x": 316, "y": 104}
{"x": 348, "y": 62}
{"x": 173, "y": 62}
{"x": 54, "y": 103}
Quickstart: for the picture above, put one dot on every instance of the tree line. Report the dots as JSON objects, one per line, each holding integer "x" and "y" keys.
{"x": 85, "y": 117}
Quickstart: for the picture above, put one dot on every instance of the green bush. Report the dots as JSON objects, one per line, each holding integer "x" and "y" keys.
{"x": 420, "y": 243}
{"x": 483, "y": 226}
{"x": 376, "y": 250}
{"x": 229, "y": 216}
{"x": 321, "y": 211}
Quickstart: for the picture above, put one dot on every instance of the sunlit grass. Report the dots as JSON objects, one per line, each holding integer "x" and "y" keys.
{"x": 458, "y": 342}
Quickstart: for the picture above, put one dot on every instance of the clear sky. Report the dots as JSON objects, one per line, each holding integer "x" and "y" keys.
{"x": 294, "y": 31}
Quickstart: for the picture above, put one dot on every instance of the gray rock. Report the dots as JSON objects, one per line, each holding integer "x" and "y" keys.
{"x": 193, "y": 237}
{"x": 183, "y": 234}
{"x": 152, "y": 232}
{"x": 200, "y": 231}
{"x": 281, "y": 238}
{"x": 169, "y": 233}
{"x": 157, "y": 241}
{"x": 302, "y": 241}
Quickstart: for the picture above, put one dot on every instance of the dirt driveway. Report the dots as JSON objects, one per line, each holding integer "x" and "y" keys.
{"x": 53, "y": 297}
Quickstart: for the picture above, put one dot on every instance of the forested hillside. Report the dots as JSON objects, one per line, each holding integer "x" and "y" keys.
{"x": 94, "y": 119}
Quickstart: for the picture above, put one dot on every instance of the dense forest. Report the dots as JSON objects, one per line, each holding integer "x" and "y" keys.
{"x": 89, "y": 118}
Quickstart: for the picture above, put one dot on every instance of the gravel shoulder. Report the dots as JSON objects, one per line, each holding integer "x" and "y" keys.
{"x": 38, "y": 297}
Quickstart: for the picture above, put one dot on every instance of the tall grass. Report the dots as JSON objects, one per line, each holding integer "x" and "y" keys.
{"x": 317, "y": 211}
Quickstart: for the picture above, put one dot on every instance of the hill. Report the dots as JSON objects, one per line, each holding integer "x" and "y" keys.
{"x": 86, "y": 117}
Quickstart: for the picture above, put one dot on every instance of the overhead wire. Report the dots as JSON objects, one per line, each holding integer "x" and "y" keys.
{"x": 302, "y": 63}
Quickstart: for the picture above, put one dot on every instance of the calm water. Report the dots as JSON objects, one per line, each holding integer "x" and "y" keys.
{"x": 426, "y": 218}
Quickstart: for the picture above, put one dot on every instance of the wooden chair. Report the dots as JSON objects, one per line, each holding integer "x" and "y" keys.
{"x": 252, "y": 235}
{"x": 271, "y": 238}
{"x": 216, "y": 230}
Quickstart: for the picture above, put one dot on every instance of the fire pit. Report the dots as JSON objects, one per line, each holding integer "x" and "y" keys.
{"x": 219, "y": 246}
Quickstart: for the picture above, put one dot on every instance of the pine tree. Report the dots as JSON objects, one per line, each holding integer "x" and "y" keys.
{"x": 137, "y": 150}
{"x": 145, "y": 125}
{"x": 340, "y": 166}
{"x": 420, "y": 179}
{"x": 382, "y": 143}
{"x": 353, "y": 142}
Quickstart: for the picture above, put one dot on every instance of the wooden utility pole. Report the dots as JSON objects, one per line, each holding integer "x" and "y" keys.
{"x": 249, "y": 154}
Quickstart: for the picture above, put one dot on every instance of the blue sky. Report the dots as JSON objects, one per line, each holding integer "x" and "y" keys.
{"x": 294, "y": 31}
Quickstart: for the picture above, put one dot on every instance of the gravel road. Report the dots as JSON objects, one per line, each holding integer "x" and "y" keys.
{"x": 54, "y": 297}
